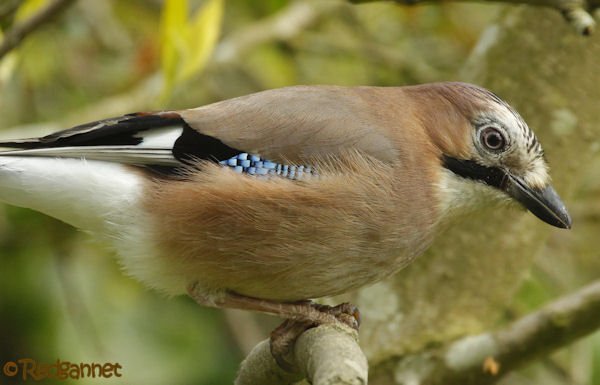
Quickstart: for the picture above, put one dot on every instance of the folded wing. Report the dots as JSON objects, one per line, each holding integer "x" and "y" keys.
{"x": 258, "y": 133}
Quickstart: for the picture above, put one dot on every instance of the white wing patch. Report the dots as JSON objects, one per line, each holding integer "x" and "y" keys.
{"x": 164, "y": 137}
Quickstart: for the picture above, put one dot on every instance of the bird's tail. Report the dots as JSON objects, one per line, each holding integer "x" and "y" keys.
{"x": 120, "y": 154}
{"x": 85, "y": 194}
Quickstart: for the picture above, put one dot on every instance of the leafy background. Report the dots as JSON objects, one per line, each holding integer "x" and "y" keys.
{"x": 62, "y": 295}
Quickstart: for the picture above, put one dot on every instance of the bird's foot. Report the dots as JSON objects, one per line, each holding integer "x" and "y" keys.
{"x": 345, "y": 313}
{"x": 285, "y": 335}
{"x": 300, "y": 316}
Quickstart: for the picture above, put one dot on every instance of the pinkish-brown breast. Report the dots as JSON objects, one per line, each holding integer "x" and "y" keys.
{"x": 360, "y": 220}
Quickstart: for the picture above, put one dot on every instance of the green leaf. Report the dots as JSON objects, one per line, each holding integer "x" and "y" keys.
{"x": 28, "y": 8}
{"x": 203, "y": 36}
{"x": 186, "y": 45}
{"x": 172, "y": 23}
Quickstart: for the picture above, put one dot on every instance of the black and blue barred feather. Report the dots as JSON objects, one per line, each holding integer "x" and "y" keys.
{"x": 245, "y": 163}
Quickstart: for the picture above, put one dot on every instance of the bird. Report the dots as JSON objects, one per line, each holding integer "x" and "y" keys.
{"x": 267, "y": 201}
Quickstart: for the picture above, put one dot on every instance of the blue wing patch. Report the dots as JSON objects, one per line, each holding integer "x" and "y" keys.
{"x": 245, "y": 163}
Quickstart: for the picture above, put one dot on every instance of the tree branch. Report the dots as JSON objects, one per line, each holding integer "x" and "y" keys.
{"x": 331, "y": 355}
{"x": 16, "y": 34}
{"x": 574, "y": 11}
{"x": 484, "y": 358}
{"x": 7, "y": 11}
{"x": 284, "y": 25}
{"x": 326, "y": 355}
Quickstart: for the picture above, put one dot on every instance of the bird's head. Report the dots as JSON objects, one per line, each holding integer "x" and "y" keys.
{"x": 490, "y": 146}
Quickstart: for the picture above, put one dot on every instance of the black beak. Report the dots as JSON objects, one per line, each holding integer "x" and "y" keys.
{"x": 543, "y": 203}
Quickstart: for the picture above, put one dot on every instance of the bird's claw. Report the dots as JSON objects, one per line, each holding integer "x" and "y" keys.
{"x": 346, "y": 313}
{"x": 285, "y": 335}
{"x": 283, "y": 339}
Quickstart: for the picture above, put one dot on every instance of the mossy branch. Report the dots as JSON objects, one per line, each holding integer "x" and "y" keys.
{"x": 325, "y": 355}
{"x": 330, "y": 355}
{"x": 483, "y": 359}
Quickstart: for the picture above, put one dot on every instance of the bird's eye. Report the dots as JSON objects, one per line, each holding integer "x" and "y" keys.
{"x": 492, "y": 139}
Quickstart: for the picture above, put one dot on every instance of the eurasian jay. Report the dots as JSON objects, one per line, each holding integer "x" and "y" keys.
{"x": 264, "y": 201}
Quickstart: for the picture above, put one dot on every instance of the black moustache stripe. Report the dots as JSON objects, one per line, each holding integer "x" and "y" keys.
{"x": 492, "y": 176}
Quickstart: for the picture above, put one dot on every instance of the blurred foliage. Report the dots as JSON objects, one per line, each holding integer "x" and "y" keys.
{"x": 28, "y": 8}
{"x": 187, "y": 46}
{"x": 63, "y": 296}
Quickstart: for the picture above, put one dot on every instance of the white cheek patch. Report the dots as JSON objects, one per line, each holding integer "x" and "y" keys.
{"x": 460, "y": 194}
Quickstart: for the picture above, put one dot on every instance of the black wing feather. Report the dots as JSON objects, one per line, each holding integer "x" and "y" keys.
{"x": 113, "y": 131}
{"x": 125, "y": 133}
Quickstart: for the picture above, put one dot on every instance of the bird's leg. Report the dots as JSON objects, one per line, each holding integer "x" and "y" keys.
{"x": 304, "y": 311}
{"x": 300, "y": 316}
